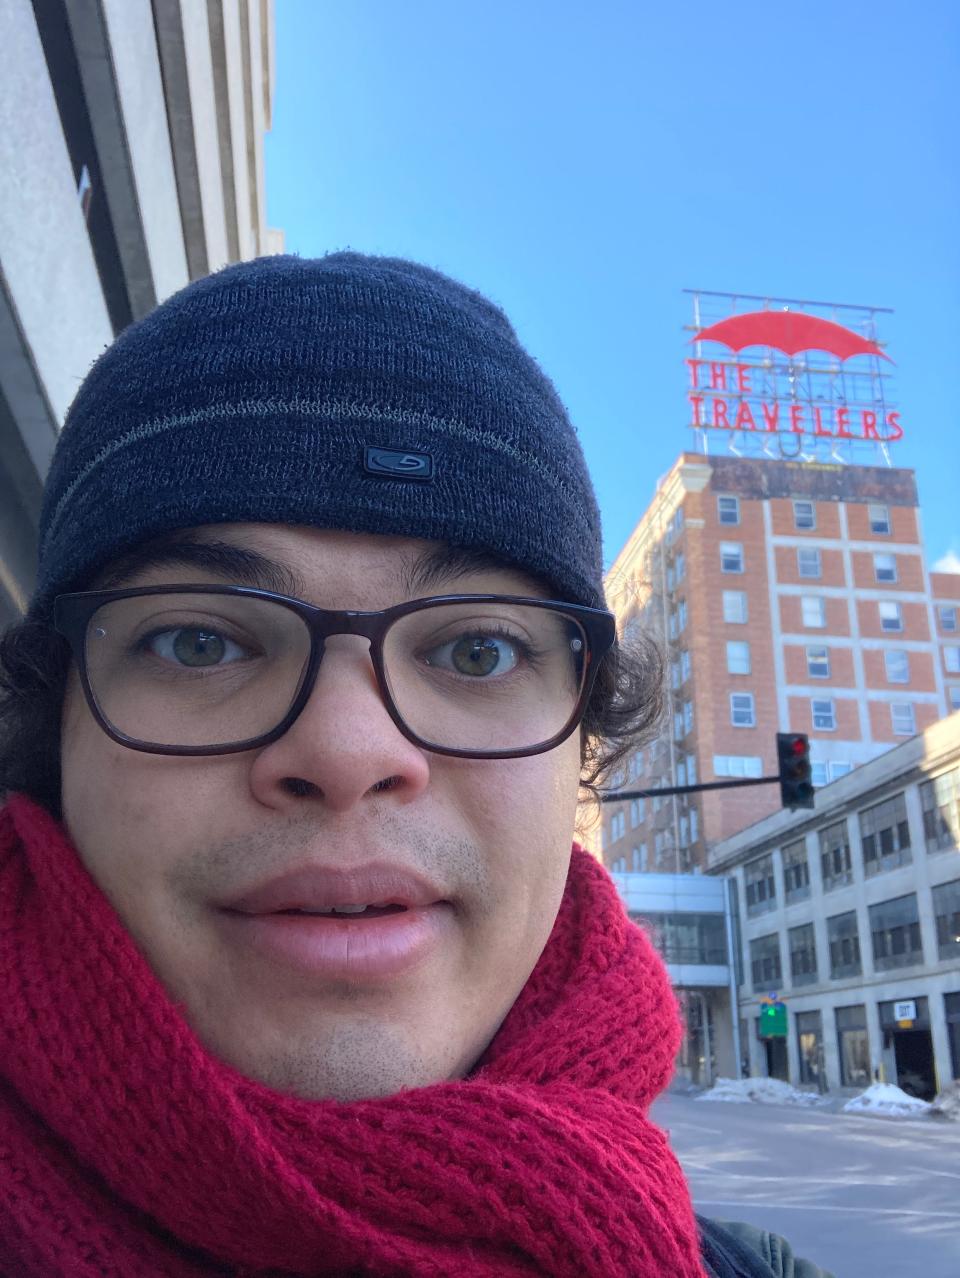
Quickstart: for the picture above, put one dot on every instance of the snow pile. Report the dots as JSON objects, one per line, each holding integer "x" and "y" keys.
{"x": 947, "y": 1104}
{"x": 888, "y": 1101}
{"x": 762, "y": 1091}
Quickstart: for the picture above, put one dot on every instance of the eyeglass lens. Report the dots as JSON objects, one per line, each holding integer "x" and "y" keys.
{"x": 196, "y": 670}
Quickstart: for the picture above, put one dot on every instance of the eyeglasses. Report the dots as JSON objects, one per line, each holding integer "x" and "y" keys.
{"x": 202, "y": 670}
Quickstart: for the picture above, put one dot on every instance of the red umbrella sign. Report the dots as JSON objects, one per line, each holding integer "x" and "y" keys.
{"x": 790, "y": 332}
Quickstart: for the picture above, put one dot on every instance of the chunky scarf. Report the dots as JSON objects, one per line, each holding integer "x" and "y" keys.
{"x": 128, "y": 1151}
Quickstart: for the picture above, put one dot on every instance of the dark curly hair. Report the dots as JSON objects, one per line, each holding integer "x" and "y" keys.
{"x": 623, "y": 712}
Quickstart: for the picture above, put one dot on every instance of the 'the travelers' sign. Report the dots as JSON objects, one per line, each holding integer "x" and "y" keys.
{"x": 786, "y": 372}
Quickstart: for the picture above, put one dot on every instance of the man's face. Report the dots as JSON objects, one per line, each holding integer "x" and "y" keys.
{"x": 171, "y": 839}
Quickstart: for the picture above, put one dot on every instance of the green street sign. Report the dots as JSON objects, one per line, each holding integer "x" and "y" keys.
{"x": 773, "y": 1020}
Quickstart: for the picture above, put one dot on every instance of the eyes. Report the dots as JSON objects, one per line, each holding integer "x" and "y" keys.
{"x": 477, "y": 655}
{"x": 471, "y": 654}
{"x": 194, "y": 646}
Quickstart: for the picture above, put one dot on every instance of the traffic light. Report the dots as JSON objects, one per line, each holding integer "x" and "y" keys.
{"x": 793, "y": 762}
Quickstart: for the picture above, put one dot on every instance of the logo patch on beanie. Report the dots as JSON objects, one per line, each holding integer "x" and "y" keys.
{"x": 397, "y": 463}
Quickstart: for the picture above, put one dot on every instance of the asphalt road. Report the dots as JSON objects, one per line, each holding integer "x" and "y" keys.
{"x": 862, "y": 1197}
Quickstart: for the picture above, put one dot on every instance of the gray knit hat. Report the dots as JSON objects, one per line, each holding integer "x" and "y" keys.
{"x": 349, "y": 392}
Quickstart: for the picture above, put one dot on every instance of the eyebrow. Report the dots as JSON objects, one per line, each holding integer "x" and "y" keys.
{"x": 439, "y": 565}
{"x": 429, "y": 571}
{"x": 237, "y": 564}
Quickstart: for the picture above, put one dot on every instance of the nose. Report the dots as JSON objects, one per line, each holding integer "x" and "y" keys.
{"x": 343, "y": 748}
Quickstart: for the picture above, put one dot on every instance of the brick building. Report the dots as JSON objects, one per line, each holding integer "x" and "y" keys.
{"x": 787, "y": 596}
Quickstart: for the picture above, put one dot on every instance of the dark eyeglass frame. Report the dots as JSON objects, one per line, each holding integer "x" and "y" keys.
{"x": 72, "y": 613}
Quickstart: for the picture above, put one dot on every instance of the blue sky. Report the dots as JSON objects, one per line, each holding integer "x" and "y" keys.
{"x": 583, "y": 164}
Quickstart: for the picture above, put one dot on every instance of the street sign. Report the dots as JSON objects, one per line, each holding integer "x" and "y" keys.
{"x": 905, "y": 1010}
{"x": 773, "y": 1019}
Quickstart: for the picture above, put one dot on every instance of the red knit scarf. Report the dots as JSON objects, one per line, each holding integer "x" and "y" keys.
{"x": 127, "y": 1150}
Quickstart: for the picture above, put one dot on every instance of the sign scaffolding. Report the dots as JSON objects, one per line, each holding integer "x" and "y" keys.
{"x": 780, "y": 377}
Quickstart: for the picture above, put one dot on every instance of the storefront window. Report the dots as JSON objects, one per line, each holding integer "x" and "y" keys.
{"x": 810, "y": 1037}
{"x": 854, "y": 1046}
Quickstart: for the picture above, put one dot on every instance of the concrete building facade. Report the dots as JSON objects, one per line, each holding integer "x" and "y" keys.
{"x": 693, "y": 925}
{"x": 787, "y": 596}
{"x": 850, "y": 914}
{"x": 132, "y": 156}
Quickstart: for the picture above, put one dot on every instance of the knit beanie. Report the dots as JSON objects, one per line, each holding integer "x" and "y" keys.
{"x": 366, "y": 394}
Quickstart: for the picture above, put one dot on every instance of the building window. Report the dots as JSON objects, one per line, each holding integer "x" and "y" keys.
{"x": 686, "y": 938}
{"x": 640, "y": 859}
{"x": 681, "y": 773}
{"x": 796, "y": 872}
{"x": 946, "y": 910}
{"x": 728, "y": 510}
{"x": 948, "y": 617}
{"x": 940, "y": 800}
{"x": 737, "y": 765}
{"x": 902, "y": 719}
{"x": 808, "y": 562}
{"x": 818, "y": 663}
{"x": 839, "y": 769}
{"x": 674, "y": 674}
{"x": 682, "y": 615}
{"x": 731, "y": 556}
{"x": 885, "y": 567}
{"x": 677, "y": 725}
{"x": 691, "y": 769}
{"x": 636, "y": 812}
{"x": 843, "y": 938}
{"x": 741, "y": 710}
{"x": 813, "y": 611}
{"x": 818, "y": 773}
{"x": 761, "y": 890}
{"x": 803, "y": 955}
{"x": 681, "y": 568}
{"x": 891, "y": 618}
{"x": 897, "y": 664}
{"x": 879, "y": 517}
{"x": 835, "y": 864}
{"x": 810, "y": 1039}
{"x": 684, "y": 666}
{"x": 693, "y": 825}
{"x": 951, "y": 658}
{"x": 854, "y": 1046}
{"x": 620, "y": 865}
{"x": 738, "y": 657}
{"x": 824, "y": 714}
{"x": 735, "y": 606}
{"x": 953, "y": 695}
{"x": 618, "y": 825}
{"x": 804, "y": 515}
{"x": 765, "y": 962}
{"x": 895, "y": 931}
{"x": 885, "y": 835}
{"x": 687, "y": 717}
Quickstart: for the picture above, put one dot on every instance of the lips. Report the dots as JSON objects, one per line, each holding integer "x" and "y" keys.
{"x": 368, "y": 925}
{"x": 319, "y": 889}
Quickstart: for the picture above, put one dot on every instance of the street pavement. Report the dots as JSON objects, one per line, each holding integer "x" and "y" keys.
{"x": 863, "y": 1197}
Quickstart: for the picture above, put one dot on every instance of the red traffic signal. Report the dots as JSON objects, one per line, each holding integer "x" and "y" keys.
{"x": 793, "y": 763}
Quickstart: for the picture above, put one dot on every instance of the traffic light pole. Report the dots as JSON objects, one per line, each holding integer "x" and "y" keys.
{"x": 623, "y": 795}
